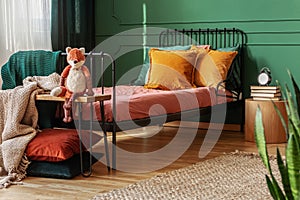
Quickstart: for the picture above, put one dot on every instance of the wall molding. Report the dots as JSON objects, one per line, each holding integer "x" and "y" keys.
{"x": 210, "y": 22}
{"x": 247, "y": 32}
{"x": 273, "y": 32}
{"x": 114, "y": 14}
{"x": 274, "y": 44}
{"x": 118, "y": 17}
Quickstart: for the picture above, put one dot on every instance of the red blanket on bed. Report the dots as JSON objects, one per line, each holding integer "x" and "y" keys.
{"x": 136, "y": 102}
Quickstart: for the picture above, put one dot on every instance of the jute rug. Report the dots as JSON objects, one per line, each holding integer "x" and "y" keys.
{"x": 230, "y": 176}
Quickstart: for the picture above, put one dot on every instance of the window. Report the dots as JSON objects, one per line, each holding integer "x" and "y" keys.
{"x": 27, "y": 26}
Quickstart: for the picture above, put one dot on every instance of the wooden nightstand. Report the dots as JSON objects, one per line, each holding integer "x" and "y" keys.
{"x": 274, "y": 130}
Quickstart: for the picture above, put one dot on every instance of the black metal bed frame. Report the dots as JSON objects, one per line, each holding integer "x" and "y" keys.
{"x": 216, "y": 38}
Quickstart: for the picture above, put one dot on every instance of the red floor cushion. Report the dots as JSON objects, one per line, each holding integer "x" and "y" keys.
{"x": 56, "y": 145}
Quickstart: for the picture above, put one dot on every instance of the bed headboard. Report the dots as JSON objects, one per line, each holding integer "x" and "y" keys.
{"x": 216, "y": 38}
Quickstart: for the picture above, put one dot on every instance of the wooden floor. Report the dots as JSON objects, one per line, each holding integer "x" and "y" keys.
{"x": 102, "y": 180}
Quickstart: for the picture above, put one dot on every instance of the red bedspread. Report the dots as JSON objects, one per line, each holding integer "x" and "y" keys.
{"x": 136, "y": 102}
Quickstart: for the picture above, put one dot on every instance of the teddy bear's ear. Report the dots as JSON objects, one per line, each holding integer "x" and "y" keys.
{"x": 82, "y": 50}
{"x": 68, "y": 49}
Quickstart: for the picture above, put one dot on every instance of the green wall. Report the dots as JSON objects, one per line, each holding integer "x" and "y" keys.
{"x": 272, "y": 28}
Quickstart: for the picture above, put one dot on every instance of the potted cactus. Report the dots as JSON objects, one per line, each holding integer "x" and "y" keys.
{"x": 289, "y": 167}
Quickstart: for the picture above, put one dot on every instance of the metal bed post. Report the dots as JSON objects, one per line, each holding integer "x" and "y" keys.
{"x": 91, "y": 124}
{"x": 207, "y": 36}
{"x": 224, "y": 42}
{"x": 114, "y": 131}
{"x": 114, "y": 125}
{"x": 233, "y": 36}
{"x": 191, "y": 36}
{"x": 199, "y": 36}
{"x": 182, "y": 38}
{"x": 216, "y": 37}
{"x": 244, "y": 40}
{"x": 101, "y": 54}
{"x": 102, "y": 111}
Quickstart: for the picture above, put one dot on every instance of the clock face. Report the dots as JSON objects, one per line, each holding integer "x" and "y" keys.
{"x": 263, "y": 79}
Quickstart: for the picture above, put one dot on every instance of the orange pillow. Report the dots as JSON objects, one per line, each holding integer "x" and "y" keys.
{"x": 212, "y": 68}
{"x": 171, "y": 70}
{"x": 57, "y": 144}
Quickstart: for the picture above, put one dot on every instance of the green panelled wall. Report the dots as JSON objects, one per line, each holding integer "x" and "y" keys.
{"x": 272, "y": 28}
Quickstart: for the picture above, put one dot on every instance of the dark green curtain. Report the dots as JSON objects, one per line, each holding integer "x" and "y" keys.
{"x": 73, "y": 24}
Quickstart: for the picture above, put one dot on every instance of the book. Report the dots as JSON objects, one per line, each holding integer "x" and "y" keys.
{"x": 266, "y": 98}
{"x": 257, "y": 94}
{"x": 268, "y": 87}
{"x": 265, "y": 91}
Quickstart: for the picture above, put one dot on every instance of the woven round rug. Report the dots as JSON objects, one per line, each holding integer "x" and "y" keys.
{"x": 230, "y": 176}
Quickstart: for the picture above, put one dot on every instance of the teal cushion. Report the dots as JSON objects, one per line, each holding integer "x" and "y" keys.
{"x": 64, "y": 169}
{"x": 226, "y": 49}
{"x": 142, "y": 77}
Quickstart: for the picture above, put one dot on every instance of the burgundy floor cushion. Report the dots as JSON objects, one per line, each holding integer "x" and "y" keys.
{"x": 55, "y": 153}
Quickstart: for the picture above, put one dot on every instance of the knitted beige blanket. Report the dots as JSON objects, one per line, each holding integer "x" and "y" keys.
{"x": 18, "y": 125}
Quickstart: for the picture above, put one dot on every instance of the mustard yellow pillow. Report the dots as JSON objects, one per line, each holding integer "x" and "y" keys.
{"x": 212, "y": 67}
{"x": 171, "y": 70}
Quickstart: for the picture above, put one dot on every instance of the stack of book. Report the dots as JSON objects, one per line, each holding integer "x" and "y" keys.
{"x": 265, "y": 92}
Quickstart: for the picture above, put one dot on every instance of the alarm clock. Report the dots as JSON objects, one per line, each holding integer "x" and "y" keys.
{"x": 264, "y": 77}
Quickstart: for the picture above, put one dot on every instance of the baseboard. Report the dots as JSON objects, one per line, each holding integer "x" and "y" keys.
{"x": 204, "y": 125}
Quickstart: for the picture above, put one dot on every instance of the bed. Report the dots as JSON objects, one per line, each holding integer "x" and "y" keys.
{"x": 136, "y": 105}
{"x": 147, "y": 100}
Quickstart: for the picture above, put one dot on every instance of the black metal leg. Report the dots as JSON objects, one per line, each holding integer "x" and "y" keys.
{"x": 80, "y": 145}
{"x": 114, "y": 141}
{"x": 89, "y": 172}
{"x": 79, "y": 134}
{"x": 91, "y": 138}
{"x": 104, "y": 135}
